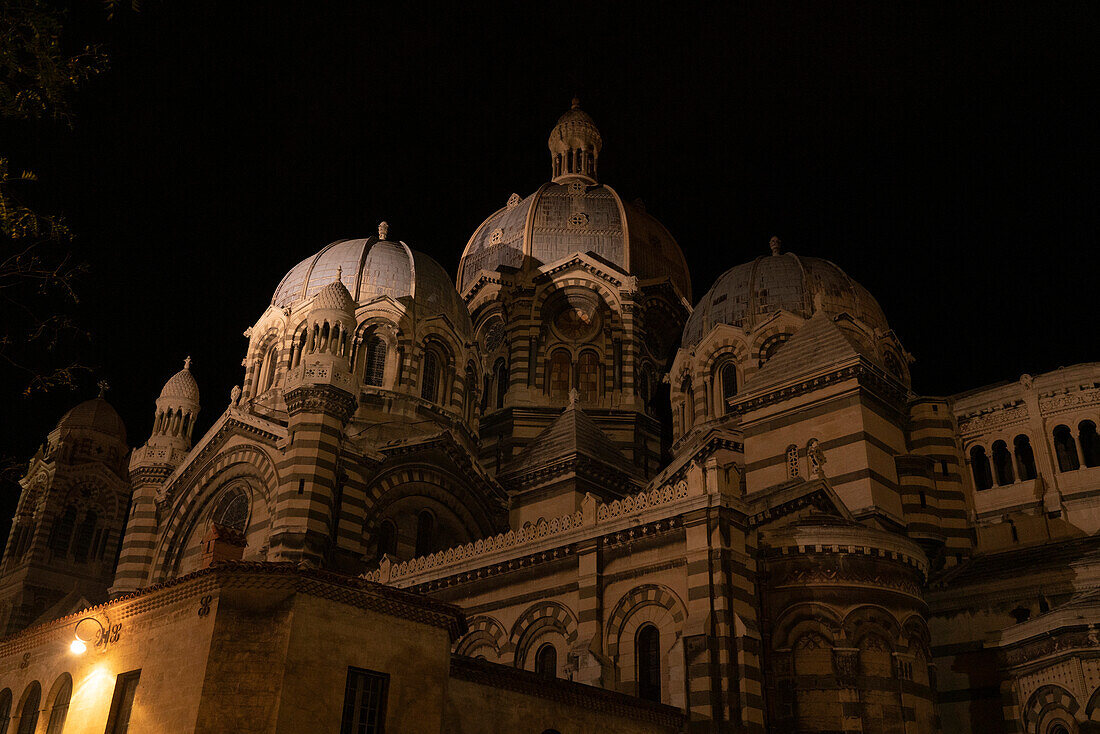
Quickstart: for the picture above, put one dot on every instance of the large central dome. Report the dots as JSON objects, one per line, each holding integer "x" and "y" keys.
{"x": 574, "y": 213}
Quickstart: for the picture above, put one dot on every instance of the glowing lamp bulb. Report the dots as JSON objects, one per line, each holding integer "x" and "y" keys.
{"x": 78, "y": 647}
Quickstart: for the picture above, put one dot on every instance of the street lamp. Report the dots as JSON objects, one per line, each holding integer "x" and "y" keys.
{"x": 83, "y": 633}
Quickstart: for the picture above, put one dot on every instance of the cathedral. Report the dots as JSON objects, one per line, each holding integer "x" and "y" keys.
{"x": 560, "y": 493}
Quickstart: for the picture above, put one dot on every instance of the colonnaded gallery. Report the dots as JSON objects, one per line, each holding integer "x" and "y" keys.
{"x": 563, "y": 494}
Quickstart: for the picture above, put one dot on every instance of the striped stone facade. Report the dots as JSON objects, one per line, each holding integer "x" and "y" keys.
{"x": 742, "y": 509}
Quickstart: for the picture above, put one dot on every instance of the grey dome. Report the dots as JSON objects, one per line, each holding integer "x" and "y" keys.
{"x": 97, "y": 415}
{"x": 750, "y": 293}
{"x": 370, "y": 269}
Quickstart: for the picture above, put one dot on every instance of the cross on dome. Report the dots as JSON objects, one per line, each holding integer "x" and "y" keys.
{"x": 103, "y": 387}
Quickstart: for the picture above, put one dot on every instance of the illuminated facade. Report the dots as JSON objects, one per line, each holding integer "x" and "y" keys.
{"x": 736, "y": 507}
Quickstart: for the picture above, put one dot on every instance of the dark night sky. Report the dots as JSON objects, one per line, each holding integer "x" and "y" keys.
{"x": 945, "y": 159}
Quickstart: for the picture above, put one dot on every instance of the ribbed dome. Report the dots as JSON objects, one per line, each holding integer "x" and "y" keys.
{"x": 182, "y": 385}
{"x": 334, "y": 297}
{"x": 748, "y": 294}
{"x": 97, "y": 415}
{"x": 560, "y": 219}
{"x": 370, "y": 269}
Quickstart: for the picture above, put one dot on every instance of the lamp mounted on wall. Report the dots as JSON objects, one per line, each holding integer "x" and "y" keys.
{"x": 87, "y": 629}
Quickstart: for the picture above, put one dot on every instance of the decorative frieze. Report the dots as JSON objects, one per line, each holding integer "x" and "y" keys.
{"x": 1069, "y": 401}
{"x": 593, "y": 513}
{"x": 985, "y": 422}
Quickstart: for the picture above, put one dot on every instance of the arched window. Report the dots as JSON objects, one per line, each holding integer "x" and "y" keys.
{"x": 1090, "y": 443}
{"x": 28, "y": 713}
{"x": 560, "y": 367}
{"x": 425, "y": 527}
{"x": 60, "y": 708}
{"x": 1066, "y": 449}
{"x": 374, "y": 360}
{"x": 1025, "y": 457}
{"x": 689, "y": 404}
{"x": 387, "y": 539}
{"x": 82, "y": 538}
{"x": 232, "y": 510}
{"x": 979, "y": 464}
{"x": 643, "y": 387}
{"x": 268, "y": 368}
{"x": 62, "y": 532}
{"x": 5, "y": 710}
{"x": 771, "y": 346}
{"x": 501, "y": 376}
{"x": 647, "y": 652}
{"x": 588, "y": 377}
{"x": 429, "y": 379}
{"x": 1002, "y": 464}
{"x": 546, "y": 661}
{"x": 727, "y": 376}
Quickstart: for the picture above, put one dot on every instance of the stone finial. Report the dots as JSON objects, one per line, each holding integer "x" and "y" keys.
{"x": 383, "y": 230}
{"x": 575, "y": 104}
{"x": 339, "y": 272}
{"x": 187, "y": 362}
{"x": 573, "y": 396}
{"x": 235, "y": 395}
{"x": 776, "y": 245}
{"x": 103, "y": 387}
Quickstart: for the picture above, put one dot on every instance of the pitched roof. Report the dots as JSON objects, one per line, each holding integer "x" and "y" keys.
{"x": 572, "y": 435}
{"x": 818, "y": 345}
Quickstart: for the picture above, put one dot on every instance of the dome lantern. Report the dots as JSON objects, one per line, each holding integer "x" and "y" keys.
{"x": 575, "y": 145}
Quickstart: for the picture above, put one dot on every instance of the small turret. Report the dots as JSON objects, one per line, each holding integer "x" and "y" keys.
{"x": 150, "y": 465}
{"x": 325, "y": 356}
{"x": 177, "y": 409}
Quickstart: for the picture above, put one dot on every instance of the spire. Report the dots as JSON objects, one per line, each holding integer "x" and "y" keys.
{"x": 575, "y": 145}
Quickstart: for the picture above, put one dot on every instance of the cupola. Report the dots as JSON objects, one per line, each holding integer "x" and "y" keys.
{"x": 177, "y": 409}
{"x": 575, "y": 146}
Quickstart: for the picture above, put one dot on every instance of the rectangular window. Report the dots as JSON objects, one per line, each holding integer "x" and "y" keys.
{"x": 123, "y": 702}
{"x": 364, "y": 702}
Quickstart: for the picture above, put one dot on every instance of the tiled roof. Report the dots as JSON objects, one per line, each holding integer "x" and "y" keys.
{"x": 818, "y": 345}
{"x": 573, "y": 434}
{"x": 1024, "y": 561}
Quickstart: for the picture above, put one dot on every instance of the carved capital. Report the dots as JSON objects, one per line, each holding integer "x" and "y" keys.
{"x": 321, "y": 399}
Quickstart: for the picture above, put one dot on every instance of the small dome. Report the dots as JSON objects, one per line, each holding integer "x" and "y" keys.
{"x": 182, "y": 385}
{"x": 97, "y": 415}
{"x": 334, "y": 297}
{"x": 575, "y": 145}
{"x": 369, "y": 269}
{"x": 750, "y": 293}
